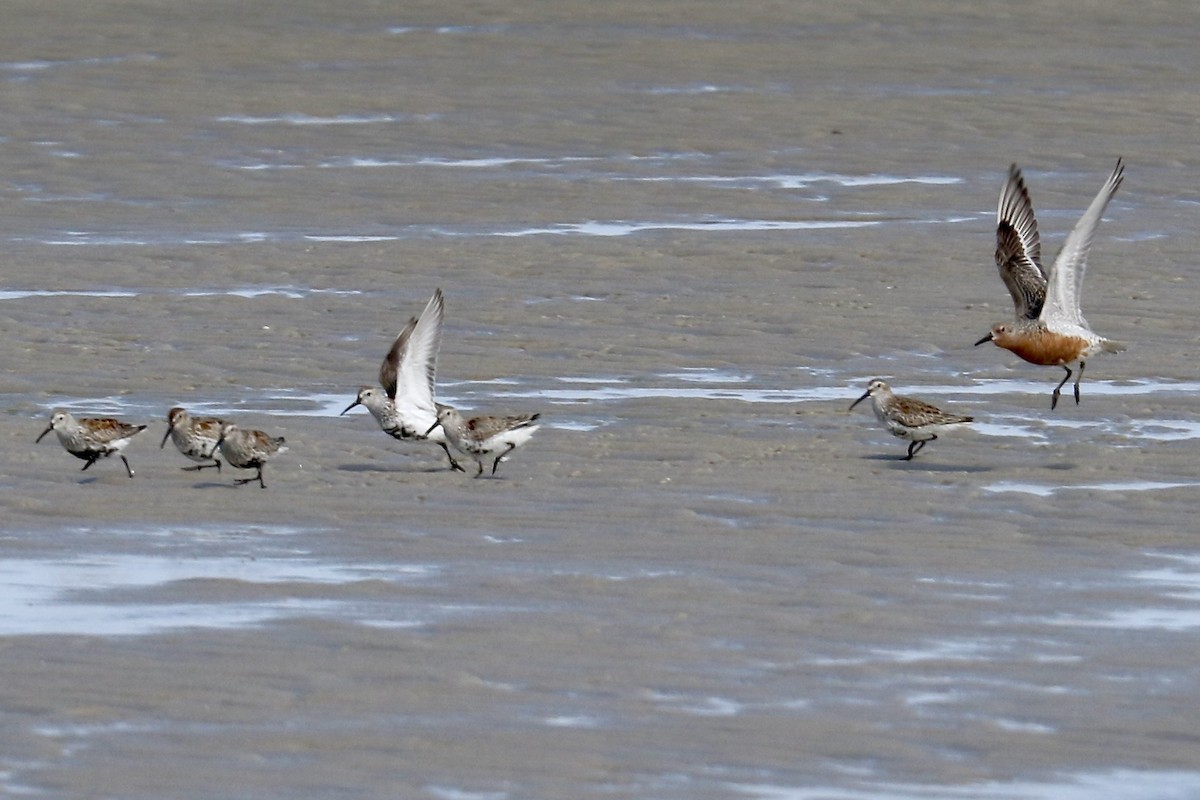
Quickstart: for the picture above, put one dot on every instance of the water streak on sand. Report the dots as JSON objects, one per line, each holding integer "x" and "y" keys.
{"x": 1175, "y": 607}
{"x": 293, "y": 292}
{"x": 1046, "y": 490}
{"x": 1112, "y": 785}
{"x": 308, "y": 119}
{"x": 805, "y": 180}
{"x": 68, "y": 596}
{"x": 623, "y": 228}
{"x": 597, "y": 228}
{"x": 19, "y": 294}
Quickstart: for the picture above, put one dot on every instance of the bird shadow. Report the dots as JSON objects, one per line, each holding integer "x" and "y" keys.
{"x": 94, "y": 478}
{"x": 399, "y": 470}
{"x": 899, "y": 462}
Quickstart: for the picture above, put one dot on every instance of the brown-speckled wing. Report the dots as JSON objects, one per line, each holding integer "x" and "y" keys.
{"x": 915, "y": 413}
{"x": 265, "y": 445}
{"x": 104, "y": 429}
{"x": 483, "y": 428}
{"x": 1019, "y": 248}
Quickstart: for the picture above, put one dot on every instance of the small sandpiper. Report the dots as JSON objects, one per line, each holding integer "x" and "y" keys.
{"x": 248, "y": 449}
{"x": 196, "y": 437}
{"x": 1049, "y": 329}
{"x": 485, "y": 436}
{"x": 908, "y": 417}
{"x": 405, "y": 407}
{"x": 92, "y": 439}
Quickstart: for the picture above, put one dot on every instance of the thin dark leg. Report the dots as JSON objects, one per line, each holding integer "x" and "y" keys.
{"x": 454, "y": 465}
{"x": 258, "y": 477}
{"x": 500, "y": 458}
{"x": 90, "y": 461}
{"x": 1078, "y": 378}
{"x": 917, "y": 447}
{"x": 1058, "y": 389}
{"x": 128, "y": 468}
{"x": 477, "y": 474}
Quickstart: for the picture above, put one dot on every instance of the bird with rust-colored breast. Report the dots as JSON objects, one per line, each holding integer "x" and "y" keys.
{"x": 1048, "y": 328}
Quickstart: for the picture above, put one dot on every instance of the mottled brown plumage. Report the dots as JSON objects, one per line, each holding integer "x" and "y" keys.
{"x": 92, "y": 439}
{"x": 908, "y": 417}
{"x": 249, "y": 449}
{"x": 196, "y": 437}
{"x": 482, "y": 437}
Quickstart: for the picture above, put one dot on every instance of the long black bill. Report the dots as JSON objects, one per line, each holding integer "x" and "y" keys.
{"x": 859, "y": 400}
{"x": 352, "y": 405}
{"x": 987, "y": 338}
{"x": 35, "y": 441}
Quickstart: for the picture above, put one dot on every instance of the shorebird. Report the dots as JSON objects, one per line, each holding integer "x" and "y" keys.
{"x": 908, "y": 417}
{"x": 196, "y": 437}
{"x": 484, "y": 436}
{"x": 92, "y": 439}
{"x": 248, "y": 449}
{"x": 1048, "y": 329}
{"x": 405, "y": 406}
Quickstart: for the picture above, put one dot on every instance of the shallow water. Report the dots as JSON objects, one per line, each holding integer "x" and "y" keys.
{"x": 688, "y": 235}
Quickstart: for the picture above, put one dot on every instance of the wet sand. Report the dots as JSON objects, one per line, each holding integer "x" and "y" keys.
{"x": 688, "y": 235}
